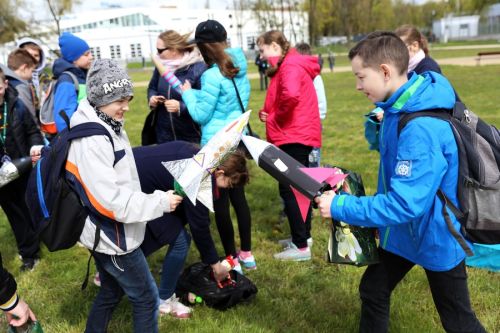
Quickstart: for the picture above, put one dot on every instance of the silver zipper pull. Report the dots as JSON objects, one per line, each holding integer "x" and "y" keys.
{"x": 467, "y": 116}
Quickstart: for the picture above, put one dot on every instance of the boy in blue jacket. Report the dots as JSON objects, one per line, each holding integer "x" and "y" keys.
{"x": 406, "y": 209}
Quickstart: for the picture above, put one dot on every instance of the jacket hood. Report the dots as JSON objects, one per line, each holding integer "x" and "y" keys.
{"x": 9, "y": 72}
{"x": 43, "y": 58}
{"x": 61, "y": 65}
{"x": 426, "y": 91}
{"x": 309, "y": 63}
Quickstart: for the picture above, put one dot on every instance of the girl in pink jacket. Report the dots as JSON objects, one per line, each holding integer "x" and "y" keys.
{"x": 292, "y": 123}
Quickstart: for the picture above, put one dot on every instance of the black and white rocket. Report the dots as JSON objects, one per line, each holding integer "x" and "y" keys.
{"x": 306, "y": 183}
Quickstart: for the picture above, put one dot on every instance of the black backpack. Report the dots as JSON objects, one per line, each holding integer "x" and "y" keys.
{"x": 479, "y": 177}
{"x": 197, "y": 279}
{"x": 56, "y": 210}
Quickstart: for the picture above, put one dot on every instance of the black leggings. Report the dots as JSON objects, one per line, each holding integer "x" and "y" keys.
{"x": 225, "y": 224}
{"x": 300, "y": 231}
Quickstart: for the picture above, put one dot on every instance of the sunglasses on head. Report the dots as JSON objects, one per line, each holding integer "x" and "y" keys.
{"x": 160, "y": 51}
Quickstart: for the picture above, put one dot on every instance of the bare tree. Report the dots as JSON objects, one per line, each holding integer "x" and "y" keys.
{"x": 58, "y": 8}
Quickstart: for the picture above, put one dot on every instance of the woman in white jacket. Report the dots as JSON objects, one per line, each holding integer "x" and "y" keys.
{"x": 105, "y": 176}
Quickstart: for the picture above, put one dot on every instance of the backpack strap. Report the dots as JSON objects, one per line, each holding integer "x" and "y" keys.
{"x": 81, "y": 131}
{"x": 446, "y": 115}
{"x": 250, "y": 132}
{"x": 73, "y": 77}
{"x": 454, "y": 209}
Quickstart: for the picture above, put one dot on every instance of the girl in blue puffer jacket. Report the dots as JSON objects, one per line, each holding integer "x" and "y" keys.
{"x": 214, "y": 106}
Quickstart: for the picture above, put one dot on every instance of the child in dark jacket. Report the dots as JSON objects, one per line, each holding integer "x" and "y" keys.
{"x": 169, "y": 229}
{"x": 406, "y": 208}
{"x": 19, "y": 137}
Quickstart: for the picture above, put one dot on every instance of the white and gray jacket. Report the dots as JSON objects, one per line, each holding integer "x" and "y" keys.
{"x": 108, "y": 184}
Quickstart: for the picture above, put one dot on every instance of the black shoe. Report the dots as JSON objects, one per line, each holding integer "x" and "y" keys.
{"x": 29, "y": 264}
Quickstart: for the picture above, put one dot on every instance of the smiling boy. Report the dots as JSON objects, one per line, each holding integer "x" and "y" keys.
{"x": 406, "y": 209}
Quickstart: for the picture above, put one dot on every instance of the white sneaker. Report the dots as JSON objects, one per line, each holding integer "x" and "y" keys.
{"x": 286, "y": 242}
{"x": 175, "y": 308}
{"x": 292, "y": 253}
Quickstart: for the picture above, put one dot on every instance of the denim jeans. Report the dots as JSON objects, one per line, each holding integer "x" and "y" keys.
{"x": 125, "y": 274}
{"x": 173, "y": 264}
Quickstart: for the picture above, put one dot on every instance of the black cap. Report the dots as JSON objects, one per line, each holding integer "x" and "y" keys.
{"x": 210, "y": 31}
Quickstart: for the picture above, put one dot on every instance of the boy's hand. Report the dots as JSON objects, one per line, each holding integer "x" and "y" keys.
{"x": 172, "y": 105}
{"x": 174, "y": 200}
{"x": 324, "y": 203}
{"x": 20, "y": 314}
{"x": 35, "y": 153}
{"x": 379, "y": 115}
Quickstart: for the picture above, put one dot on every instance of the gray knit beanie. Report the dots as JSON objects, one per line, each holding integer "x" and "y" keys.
{"x": 107, "y": 82}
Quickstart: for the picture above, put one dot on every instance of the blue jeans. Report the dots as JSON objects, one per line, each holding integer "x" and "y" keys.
{"x": 126, "y": 274}
{"x": 173, "y": 264}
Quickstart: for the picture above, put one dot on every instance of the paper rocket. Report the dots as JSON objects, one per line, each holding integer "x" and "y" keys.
{"x": 306, "y": 183}
{"x": 167, "y": 75}
{"x": 194, "y": 174}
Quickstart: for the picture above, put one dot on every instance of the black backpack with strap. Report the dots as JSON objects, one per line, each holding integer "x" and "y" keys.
{"x": 198, "y": 279}
{"x": 478, "y": 146}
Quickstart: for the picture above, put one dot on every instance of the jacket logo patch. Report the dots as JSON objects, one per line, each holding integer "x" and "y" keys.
{"x": 403, "y": 168}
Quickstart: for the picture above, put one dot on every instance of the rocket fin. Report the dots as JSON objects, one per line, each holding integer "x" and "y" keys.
{"x": 303, "y": 202}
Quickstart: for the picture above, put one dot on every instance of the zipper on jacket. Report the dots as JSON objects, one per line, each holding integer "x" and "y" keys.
{"x": 382, "y": 170}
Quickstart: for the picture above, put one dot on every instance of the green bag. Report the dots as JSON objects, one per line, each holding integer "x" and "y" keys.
{"x": 348, "y": 244}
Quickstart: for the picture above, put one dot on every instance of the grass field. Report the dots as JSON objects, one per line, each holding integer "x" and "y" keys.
{"x": 293, "y": 297}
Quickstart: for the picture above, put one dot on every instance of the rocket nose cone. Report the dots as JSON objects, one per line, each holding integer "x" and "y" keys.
{"x": 255, "y": 146}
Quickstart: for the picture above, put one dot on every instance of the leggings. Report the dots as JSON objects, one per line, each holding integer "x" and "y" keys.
{"x": 300, "y": 230}
{"x": 224, "y": 223}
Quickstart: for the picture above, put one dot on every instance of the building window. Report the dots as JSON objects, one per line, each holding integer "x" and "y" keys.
{"x": 96, "y": 52}
{"x": 251, "y": 42}
{"x": 115, "y": 51}
{"x": 135, "y": 50}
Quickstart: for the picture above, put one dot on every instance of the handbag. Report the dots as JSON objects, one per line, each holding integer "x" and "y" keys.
{"x": 241, "y": 145}
{"x": 148, "y": 134}
{"x": 349, "y": 244}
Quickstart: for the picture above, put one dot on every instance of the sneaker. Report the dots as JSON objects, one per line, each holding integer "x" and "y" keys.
{"x": 292, "y": 253}
{"x": 237, "y": 266}
{"x": 29, "y": 264}
{"x": 248, "y": 262}
{"x": 175, "y": 308}
{"x": 286, "y": 242}
{"x": 97, "y": 279}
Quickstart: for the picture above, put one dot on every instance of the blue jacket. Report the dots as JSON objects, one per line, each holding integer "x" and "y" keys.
{"x": 216, "y": 104}
{"x": 65, "y": 96}
{"x": 173, "y": 126}
{"x": 412, "y": 168}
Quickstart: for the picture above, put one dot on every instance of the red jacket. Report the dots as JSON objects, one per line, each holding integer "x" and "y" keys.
{"x": 292, "y": 104}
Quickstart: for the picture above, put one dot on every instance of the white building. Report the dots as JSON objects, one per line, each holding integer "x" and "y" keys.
{"x": 456, "y": 27}
{"x": 131, "y": 33}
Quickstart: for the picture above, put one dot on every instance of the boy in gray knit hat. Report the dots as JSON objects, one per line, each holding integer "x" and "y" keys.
{"x": 105, "y": 176}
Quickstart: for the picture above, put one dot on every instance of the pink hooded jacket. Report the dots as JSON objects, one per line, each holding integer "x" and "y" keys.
{"x": 291, "y": 102}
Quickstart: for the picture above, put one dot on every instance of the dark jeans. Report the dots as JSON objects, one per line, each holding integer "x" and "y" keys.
{"x": 173, "y": 264}
{"x": 14, "y": 206}
{"x": 449, "y": 292}
{"x": 300, "y": 231}
{"x": 125, "y": 274}
{"x": 224, "y": 223}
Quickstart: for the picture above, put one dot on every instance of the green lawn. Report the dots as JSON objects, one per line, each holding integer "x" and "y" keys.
{"x": 293, "y": 297}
